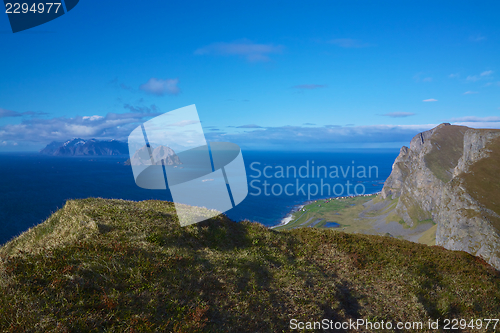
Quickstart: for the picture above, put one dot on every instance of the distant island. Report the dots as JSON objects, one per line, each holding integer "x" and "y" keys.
{"x": 81, "y": 147}
{"x": 157, "y": 156}
{"x": 94, "y": 147}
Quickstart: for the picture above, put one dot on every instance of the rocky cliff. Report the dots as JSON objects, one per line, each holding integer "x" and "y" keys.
{"x": 451, "y": 175}
{"x": 157, "y": 156}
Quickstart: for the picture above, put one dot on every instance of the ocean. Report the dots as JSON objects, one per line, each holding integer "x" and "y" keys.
{"x": 33, "y": 186}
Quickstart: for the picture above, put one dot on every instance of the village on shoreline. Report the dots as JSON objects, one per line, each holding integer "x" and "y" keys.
{"x": 300, "y": 208}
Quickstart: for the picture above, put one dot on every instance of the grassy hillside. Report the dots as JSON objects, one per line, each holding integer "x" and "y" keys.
{"x": 369, "y": 215}
{"x": 447, "y": 148}
{"x": 119, "y": 266}
{"x": 482, "y": 181}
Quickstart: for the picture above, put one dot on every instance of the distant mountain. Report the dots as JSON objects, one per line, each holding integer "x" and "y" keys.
{"x": 159, "y": 154}
{"x": 51, "y": 148}
{"x": 81, "y": 147}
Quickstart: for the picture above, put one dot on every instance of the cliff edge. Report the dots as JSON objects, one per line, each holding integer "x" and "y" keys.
{"x": 451, "y": 175}
{"x": 100, "y": 265}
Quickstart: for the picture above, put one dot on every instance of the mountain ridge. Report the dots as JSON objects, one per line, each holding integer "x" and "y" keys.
{"x": 81, "y": 147}
{"x": 437, "y": 179}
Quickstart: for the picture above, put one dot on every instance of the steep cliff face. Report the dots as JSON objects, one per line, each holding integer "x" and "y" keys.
{"x": 451, "y": 175}
{"x": 421, "y": 171}
{"x": 469, "y": 217}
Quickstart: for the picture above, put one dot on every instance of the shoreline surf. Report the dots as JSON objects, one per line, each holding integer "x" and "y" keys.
{"x": 289, "y": 216}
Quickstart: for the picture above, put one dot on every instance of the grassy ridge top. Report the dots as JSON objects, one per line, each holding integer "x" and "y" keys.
{"x": 482, "y": 181}
{"x": 115, "y": 266}
{"x": 447, "y": 148}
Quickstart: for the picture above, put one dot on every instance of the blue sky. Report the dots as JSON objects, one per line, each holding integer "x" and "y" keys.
{"x": 265, "y": 75}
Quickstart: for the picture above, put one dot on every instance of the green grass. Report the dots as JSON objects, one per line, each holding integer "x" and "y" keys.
{"x": 482, "y": 181}
{"x": 416, "y": 224}
{"x": 393, "y": 217}
{"x": 387, "y": 209}
{"x": 101, "y": 265}
{"x": 429, "y": 236}
{"x": 342, "y": 211}
{"x": 447, "y": 148}
{"x": 414, "y": 210}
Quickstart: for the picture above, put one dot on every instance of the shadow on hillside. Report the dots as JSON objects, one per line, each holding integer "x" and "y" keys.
{"x": 245, "y": 260}
{"x": 348, "y": 304}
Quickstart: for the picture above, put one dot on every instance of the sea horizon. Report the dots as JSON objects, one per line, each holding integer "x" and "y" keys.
{"x": 36, "y": 185}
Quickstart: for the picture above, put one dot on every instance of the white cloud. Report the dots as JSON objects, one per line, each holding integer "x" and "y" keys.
{"x": 475, "y": 124}
{"x": 427, "y": 79}
{"x": 184, "y": 123}
{"x": 430, "y": 100}
{"x": 249, "y": 126}
{"x": 454, "y": 75}
{"x": 483, "y": 75}
{"x": 474, "y": 119}
{"x": 37, "y": 130}
{"x": 92, "y": 118}
{"x": 161, "y": 87}
{"x": 470, "y": 92}
{"x": 335, "y": 136}
{"x": 324, "y": 137}
{"x": 250, "y": 51}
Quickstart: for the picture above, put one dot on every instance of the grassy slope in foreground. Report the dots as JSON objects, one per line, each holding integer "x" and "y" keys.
{"x": 114, "y": 266}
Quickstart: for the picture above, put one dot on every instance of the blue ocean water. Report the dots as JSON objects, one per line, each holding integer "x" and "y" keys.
{"x": 33, "y": 186}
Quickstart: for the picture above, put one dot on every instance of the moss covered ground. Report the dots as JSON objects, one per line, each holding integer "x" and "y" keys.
{"x": 101, "y": 265}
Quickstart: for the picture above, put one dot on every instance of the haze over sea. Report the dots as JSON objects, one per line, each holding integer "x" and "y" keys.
{"x": 34, "y": 186}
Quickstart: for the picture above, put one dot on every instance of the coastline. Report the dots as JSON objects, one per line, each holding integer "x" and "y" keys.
{"x": 288, "y": 217}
